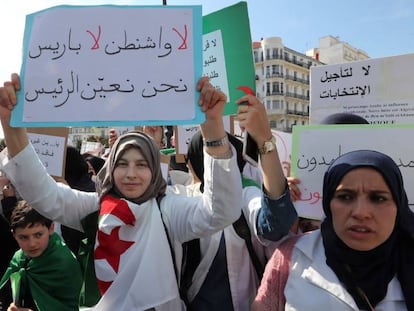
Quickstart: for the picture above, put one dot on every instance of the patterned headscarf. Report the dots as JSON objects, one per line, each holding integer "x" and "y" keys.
{"x": 146, "y": 145}
{"x": 371, "y": 271}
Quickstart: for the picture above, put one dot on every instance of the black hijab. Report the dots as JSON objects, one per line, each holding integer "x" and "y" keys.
{"x": 371, "y": 271}
{"x": 344, "y": 118}
{"x": 196, "y": 157}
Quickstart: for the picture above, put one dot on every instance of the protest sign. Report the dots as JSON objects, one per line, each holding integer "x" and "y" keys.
{"x": 111, "y": 66}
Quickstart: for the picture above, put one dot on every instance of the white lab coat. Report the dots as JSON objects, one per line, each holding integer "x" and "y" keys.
{"x": 313, "y": 286}
{"x": 185, "y": 218}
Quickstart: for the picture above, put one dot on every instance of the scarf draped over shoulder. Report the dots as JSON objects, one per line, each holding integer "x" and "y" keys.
{"x": 54, "y": 278}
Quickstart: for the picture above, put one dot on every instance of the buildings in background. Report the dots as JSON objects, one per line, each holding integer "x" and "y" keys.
{"x": 332, "y": 50}
{"x": 283, "y": 76}
{"x": 81, "y": 134}
{"x": 282, "y": 80}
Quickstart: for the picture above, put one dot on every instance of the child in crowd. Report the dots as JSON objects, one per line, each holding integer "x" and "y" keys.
{"x": 44, "y": 273}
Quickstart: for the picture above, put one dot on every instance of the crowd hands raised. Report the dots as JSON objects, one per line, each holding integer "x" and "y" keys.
{"x": 153, "y": 246}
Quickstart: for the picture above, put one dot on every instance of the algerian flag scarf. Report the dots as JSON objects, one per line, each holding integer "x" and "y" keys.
{"x": 133, "y": 261}
{"x": 54, "y": 278}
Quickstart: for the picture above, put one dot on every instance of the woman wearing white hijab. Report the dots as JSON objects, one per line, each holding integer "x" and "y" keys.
{"x": 132, "y": 257}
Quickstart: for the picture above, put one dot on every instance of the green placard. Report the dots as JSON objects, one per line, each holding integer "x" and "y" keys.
{"x": 236, "y": 68}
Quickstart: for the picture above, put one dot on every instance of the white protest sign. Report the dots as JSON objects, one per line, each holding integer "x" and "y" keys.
{"x": 214, "y": 62}
{"x": 92, "y": 147}
{"x": 379, "y": 90}
{"x": 51, "y": 151}
{"x": 315, "y": 147}
{"x": 111, "y": 65}
{"x": 183, "y": 139}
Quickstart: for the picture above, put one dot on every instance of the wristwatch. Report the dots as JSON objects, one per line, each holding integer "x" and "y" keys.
{"x": 268, "y": 146}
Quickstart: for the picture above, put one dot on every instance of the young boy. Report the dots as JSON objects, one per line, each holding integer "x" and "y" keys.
{"x": 44, "y": 273}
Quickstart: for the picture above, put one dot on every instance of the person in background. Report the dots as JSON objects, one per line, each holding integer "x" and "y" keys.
{"x": 77, "y": 177}
{"x": 307, "y": 224}
{"x": 362, "y": 257}
{"x": 94, "y": 164}
{"x": 135, "y": 230}
{"x": 45, "y": 274}
{"x": 222, "y": 271}
{"x": 157, "y": 133}
{"x": 8, "y": 244}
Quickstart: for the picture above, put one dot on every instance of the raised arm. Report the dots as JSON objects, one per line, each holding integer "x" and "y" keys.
{"x": 276, "y": 214}
{"x": 16, "y": 138}
{"x": 54, "y": 200}
{"x": 252, "y": 118}
{"x": 212, "y": 103}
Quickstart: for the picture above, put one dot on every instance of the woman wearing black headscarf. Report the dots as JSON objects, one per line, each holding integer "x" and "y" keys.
{"x": 362, "y": 258}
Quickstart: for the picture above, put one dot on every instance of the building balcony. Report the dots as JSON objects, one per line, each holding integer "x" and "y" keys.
{"x": 274, "y": 56}
{"x": 274, "y": 75}
{"x": 275, "y": 93}
{"x": 299, "y": 96}
{"x": 296, "y": 62}
{"x": 298, "y": 113}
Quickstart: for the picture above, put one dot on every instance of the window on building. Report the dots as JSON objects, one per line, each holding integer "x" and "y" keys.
{"x": 268, "y": 104}
{"x": 267, "y": 53}
{"x": 275, "y": 53}
{"x": 267, "y": 71}
{"x": 273, "y": 124}
{"x": 277, "y": 104}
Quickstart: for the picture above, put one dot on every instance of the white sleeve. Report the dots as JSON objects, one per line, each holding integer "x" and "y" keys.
{"x": 220, "y": 205}
{"x": 54, "y": 200}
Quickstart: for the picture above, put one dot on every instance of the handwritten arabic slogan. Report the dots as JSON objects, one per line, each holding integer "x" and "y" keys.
{"x": 228, "y": 32}
{"x": 51, "y": 151}
{"x": 108, "y": 65}
{"x": 380, "y": 90}
{"x": 315, "y": 147}
{"x": 214, "y": 62}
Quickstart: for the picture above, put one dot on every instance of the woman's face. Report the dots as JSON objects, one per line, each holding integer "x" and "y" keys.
{"x": 363, "y": 209}
{"x": 132, "y": 175}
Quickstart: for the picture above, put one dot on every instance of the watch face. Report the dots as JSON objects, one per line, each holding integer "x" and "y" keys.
{"x": 269, "y": 146}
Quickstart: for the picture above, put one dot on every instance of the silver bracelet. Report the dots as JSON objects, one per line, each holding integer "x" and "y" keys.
{"x": 216, "y": 143}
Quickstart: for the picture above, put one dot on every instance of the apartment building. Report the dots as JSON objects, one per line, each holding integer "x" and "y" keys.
{"x": 81, "y": 134}
{"x": 282, "y": 82}
{"x": 332, "y": 50}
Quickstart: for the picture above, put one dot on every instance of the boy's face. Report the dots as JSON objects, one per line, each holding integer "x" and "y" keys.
{"x": 33, "y": 240}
